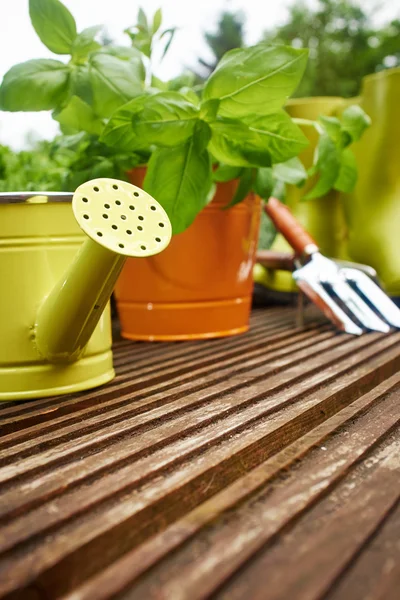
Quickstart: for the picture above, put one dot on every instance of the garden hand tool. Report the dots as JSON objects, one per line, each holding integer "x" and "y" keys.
{"x": 284, "y": 261}
{"x": 55, "y": 296}
{"x": 347, "y": 296}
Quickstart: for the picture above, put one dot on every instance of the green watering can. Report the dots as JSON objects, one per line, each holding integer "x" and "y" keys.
{"x": 55, "y": 325}
{"x": 372, "y": 211}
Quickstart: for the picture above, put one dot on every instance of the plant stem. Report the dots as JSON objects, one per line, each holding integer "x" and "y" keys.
{"x": 308, "y": 123}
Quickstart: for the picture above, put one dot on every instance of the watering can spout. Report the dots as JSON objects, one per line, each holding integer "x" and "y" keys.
{"x": 121, "y": 221}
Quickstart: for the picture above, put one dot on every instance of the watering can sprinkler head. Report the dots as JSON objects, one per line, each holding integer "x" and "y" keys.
{"x": 121, "y": 221}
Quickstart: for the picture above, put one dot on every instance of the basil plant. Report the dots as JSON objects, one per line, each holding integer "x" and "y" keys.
{"x": 235, "y": 127}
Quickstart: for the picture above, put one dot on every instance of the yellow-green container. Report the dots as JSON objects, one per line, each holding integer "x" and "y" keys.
{"x": 56, "y": 282}
{"x": 38, "y": 242}
{"x": 372, "y": 211}
{"x": 322, "y": 217}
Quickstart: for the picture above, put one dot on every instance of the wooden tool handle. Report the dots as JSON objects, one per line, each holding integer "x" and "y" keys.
{"x": 271, "y": 259}
{"x": 289, "y": 227}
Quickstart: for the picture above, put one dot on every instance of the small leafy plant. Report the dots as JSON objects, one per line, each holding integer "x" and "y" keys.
{"x": 238, "y": 125}
{"x": 95, "y": 81}
{"x": 235, "y": 127}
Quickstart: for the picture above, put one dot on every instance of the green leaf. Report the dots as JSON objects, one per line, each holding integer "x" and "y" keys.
{"x": 279, "y": 135}
{"x": 264, "y": 182}
{"x": 355, "y": 121}
{"x": 142, "y": 19}
{"x": 233, "y": 143}
{"x": 141, "y": 40}
{"x": 180, "y": 179}
{"x": 333, "y": 128}
{"x": 327, "y": 163}
{"x": 79, "y": 115}
{"x": 159, "y": 84}
{"x": 267, "y": 232}
{"x": 226, "y": 173}
{"x": 85, "y": 43}
{"x": 80, "y": 84}
{"x": 256, "y": 80}
{"x": 202, "y": 135}
{"x": 119, "y": 132}
{"x": 186, "y": 79}
{"x": 243, "y": 189}
{"x": 292, "y": 171}
{"x": 125, "y": 53}
{"x": 157, "y": 20}
{"x": 39, "y": 84}
{"x": 170, "y": 33}
{"x": 209, "y": 109}
{"x": 348, "y": 172}
{"x": 54, "y": 25}
{"x": 190, "y": 95}
{"x": 167, "y": 119}
{"x": 114, "y": 82}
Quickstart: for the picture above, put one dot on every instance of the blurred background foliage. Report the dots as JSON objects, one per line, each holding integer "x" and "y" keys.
{"x": 344, "y": 43}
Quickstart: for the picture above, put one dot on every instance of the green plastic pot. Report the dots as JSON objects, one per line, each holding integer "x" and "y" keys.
{"x": 372, "y": 211}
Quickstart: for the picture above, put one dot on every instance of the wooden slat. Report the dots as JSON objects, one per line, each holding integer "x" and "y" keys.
{"x": 264, "y": 465}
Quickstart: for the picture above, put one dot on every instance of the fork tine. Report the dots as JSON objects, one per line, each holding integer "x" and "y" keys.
{"x": 389, "y": 311}
{"x": 358, "y": 307}
{"x": 317, "y": 294}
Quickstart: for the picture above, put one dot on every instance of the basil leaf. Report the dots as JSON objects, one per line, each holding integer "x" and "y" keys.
{"x": 119, "y": 132}
{"x": 54, "y": 25}
{"x": 264, "y": 182}
{"x": 333, "y": 128}
{"x": 327, "y": 163}
{"x": 347, "y": 178}
{"x": 85, "y": 43}
{"x": 80, "y": 83}
{"x": 114, "y": 82}
{"x": 268, "y": 232}
{"x": 39, "y": 84}
{"x": 202, "y": 135}
{"x": 279, "y": 135}
{"x": 167, "y": 119}
{"x": 209, "y": 109}
{"x": 292, "y": 171}
{"x": 125, "y": 53}
{"x": 233, "y": 143}
{"x": 256, "y": 80}
{"x": 142, "y": 19}
{"x": 243, "y": 189}
{"x": 190, "y": 95}
{"x": 157, "y": 20}
{"x": 79, "y": 115}
{"x": 226, "y": 173}
{"x": 159, "y": 83}
{"x": 355, "y": 121}
{"x": 180, "y": 179}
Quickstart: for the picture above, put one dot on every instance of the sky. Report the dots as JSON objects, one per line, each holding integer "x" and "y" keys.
{"x": 18, "y": 40}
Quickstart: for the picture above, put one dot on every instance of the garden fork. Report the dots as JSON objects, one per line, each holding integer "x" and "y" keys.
{"x": 347, "y": 296}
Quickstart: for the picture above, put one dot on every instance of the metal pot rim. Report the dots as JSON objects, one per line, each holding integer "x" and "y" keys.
{"x": 34, "y": 197}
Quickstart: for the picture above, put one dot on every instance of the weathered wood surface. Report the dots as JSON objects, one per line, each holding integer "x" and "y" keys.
{"x": 262, "y": 466}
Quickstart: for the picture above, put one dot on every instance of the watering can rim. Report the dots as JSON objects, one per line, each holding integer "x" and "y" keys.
{"x": 24, "y": 197}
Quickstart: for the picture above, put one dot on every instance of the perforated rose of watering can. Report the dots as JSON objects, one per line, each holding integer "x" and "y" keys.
{"x": 56, "y": 282}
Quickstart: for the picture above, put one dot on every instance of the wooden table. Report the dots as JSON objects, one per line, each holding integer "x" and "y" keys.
{"x": 264, "y": 466}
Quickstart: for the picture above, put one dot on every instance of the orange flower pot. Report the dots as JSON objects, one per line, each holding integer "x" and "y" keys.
{"x": 201, "y": 285}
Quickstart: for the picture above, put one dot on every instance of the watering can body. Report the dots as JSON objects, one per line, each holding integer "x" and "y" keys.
{"x": 55, "y": 325}
{"x": 38, "y": 242}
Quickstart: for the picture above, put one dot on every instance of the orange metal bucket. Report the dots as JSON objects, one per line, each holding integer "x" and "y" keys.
{"x": 201, "y": 285}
